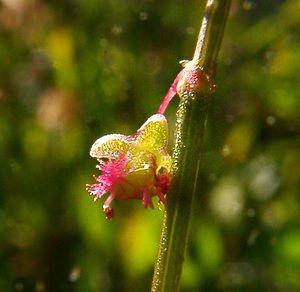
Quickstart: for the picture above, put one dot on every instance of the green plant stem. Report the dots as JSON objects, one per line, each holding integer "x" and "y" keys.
{"x": 211, "y": 33}
{"x": 195, "y": 89}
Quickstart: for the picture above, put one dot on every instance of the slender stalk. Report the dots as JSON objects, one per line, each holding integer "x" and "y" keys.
{"x": 211, "y": 33}
{"x": 195, "y": 89}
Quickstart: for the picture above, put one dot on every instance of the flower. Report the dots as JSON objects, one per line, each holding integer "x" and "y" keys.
{"x": 133, "y": 167}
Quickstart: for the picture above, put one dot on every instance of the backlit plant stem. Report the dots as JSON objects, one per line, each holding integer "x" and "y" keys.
{"x": 195, "y": 89}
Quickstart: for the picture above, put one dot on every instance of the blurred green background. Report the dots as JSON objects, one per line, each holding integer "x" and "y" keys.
{"x": 74, "y": 70}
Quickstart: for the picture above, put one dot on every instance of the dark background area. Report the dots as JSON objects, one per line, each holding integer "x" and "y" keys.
{"x": 72, "y": 71}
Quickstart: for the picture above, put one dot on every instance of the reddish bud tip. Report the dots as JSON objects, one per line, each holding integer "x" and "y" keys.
{"x": 109, "y": 213}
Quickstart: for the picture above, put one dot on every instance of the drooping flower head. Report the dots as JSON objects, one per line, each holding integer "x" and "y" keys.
{"x": 133, "y": 167}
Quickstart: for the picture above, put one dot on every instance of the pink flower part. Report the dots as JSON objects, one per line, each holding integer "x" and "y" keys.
{"x": 113, "y": 172}
{"x": 133, "y": 167}
{"x": 170, "y": 94}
